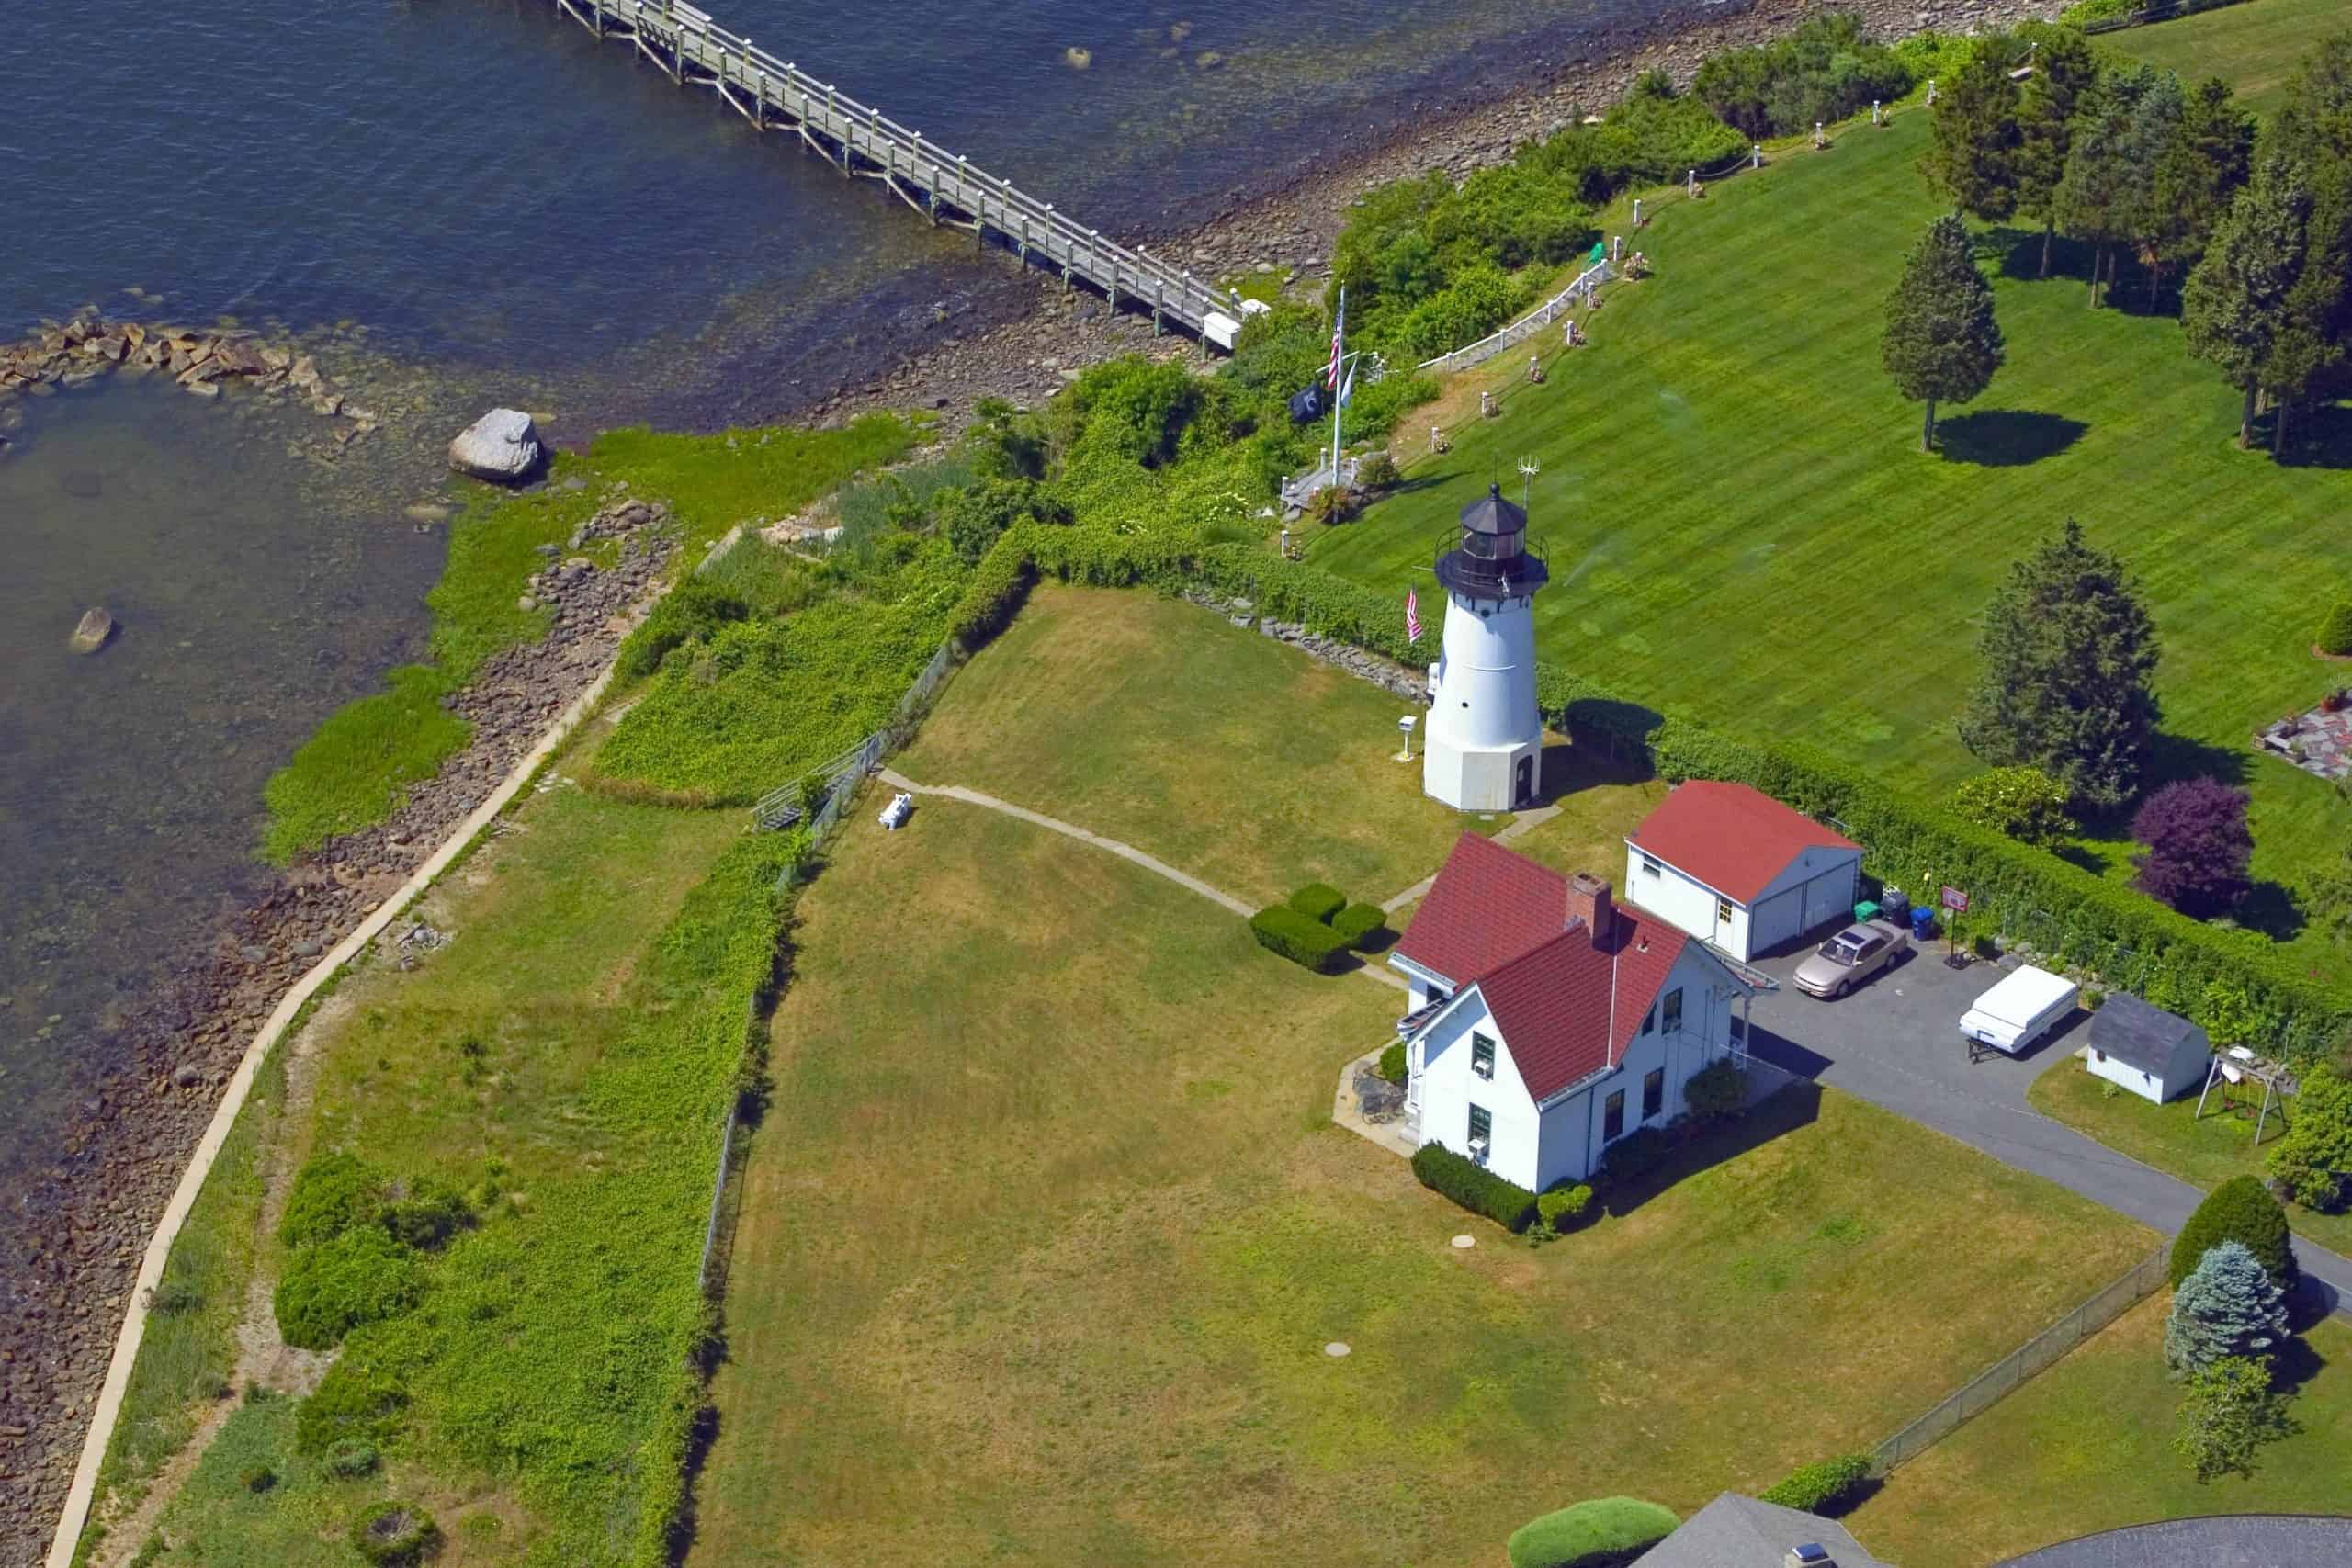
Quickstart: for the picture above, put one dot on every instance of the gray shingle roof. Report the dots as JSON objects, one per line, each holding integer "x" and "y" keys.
{"x": 1733, "y": 1531}
{"x": 2148, "y": 1038}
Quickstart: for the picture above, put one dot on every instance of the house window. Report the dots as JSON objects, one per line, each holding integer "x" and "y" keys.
{"x": 1722, "y": 912}
{"x": 1481, "y": 1132}
{"x": 1649, "y": 1021}
{"x": 1649, "y": 867}
{"x": 1482, "y": 1056}
{"x": 1613, "y": 1116}
{"x": 1653, "y": 1092}
{"x": 1674, "y": 1010}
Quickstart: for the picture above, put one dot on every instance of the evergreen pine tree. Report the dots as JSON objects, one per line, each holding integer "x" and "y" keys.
{"x": 2229, "y": 1305}
{"x": 2064, "y": 73}
{"x": 1972, "y": 158}
{"x": 2198, "y": 178}
{"x": 2066, "y": 655}
{"x": 2102, "y": 195}
{"x": 1942, "y": 343}
{"x": 2235, "y": 304}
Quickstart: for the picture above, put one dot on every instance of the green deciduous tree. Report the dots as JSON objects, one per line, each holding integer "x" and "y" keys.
{"x": 2067, "y": 653}
{"x": 2023, "y": 802}
{"x": 2313, "y": 1161}
{"x": 1972, "y": 157}
{"x": 2229, "y": 1305}
{"x": 2064, "y": 73}
{"x": 1942, "y": 343}
{"x": 2227, "y": 1412}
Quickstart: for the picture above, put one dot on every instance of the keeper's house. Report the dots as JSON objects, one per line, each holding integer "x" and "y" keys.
{"x": 1549, "y": 1021}
{"x": 1735, "y": 867}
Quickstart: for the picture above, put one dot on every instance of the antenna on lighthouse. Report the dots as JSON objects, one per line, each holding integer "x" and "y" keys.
{"x": 1528, "y": 468}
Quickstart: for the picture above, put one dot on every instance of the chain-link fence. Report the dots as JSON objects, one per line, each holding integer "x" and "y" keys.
{"x": 1985, "y": 1389}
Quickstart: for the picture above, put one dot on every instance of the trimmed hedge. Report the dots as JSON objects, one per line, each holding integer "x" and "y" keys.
{"x": 1601, "y": 1533}
{"x": 2240, "y": 1210}
{"x": 1309, "y": 943}
{"x": 1827, "y": 1486}
{"x": 1319, "y": 901}
{"x": 2124, "y": 939}
{"x": 1392, "y": 1067}
{"x": 1361, "y": 926}
{"x": 1474, "y": 1187}
{"x": 2335, "y": 630}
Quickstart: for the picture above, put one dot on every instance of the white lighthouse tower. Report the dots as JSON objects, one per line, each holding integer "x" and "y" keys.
{"x": 1486, "y": 737}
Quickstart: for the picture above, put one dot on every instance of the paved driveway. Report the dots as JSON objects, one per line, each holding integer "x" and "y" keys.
{"x": 1896, "y": 1043}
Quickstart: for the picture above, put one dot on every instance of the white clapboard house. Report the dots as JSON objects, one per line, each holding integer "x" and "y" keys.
{"x": 1735, "y": 867}
{"x": 1547, "y": 1020}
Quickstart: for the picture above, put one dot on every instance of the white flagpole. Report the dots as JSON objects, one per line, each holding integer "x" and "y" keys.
{"x": 1339, "y": 370}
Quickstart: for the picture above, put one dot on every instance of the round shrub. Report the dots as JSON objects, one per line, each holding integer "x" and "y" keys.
{"x": 1827, "y": 1486}
{"x": 361, "y": 1275}
{"x": 2335, "y": 630}
{"x": 350, "y": 1458}
{"x": 1600, "y": 1533}
{"x": 356, "y": 1402}
{"x": 1716, "y": 1090}
{"x": 1564, "y": 1207}
{"x": 1392, "y": 1067}
{"x": 2240, "y": 1210}
{"x": 332, "y": 1193}
{"x": 1376, "y": 471}
{"x": 393, "y": 1533}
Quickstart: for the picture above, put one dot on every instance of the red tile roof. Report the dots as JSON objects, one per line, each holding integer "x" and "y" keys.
{"x": 1568, "y": 1002}
{"x": 1734, "y": 839}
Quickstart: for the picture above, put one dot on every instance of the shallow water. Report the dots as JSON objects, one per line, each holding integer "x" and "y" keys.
{"x": 535, "y": 215}
{"x": 130, "y": 779}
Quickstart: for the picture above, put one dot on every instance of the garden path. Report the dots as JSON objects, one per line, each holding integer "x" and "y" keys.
{"x": 1126, "y": 851}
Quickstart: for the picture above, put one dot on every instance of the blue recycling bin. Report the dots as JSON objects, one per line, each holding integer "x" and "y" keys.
{"x": 1923, "y": 921}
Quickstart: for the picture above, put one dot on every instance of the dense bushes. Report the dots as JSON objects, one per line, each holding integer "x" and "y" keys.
{"x": 1827, "y": 1486}
{"x": 361, "y": 1276}
{"x": 1716, "y": 1090}
{"x": 2313, "y": 1161}
{"x": 1361, "y": 926}
{"x": 689, "y": 613}
{"x": 1636, "y": 1155}
{"x": 1823, "y": 72}
{"x": 1601, "y": 1533}
{"x": 2239, "y": 1210}
{"x": 1474, "y": 1187}
{"x": 1392, "y": 1067}
{"x": 358, "y": 1401}
{"x": 332, "y": 1192}
{"x": 2023, "y": 802}
{"x": 393, "y": 1534}
{"x": 1306, "y": 943}
{"x": 1319, "y": 901}
{"x": 2336, "y": 630}
{"x": 1563, "y": 1208}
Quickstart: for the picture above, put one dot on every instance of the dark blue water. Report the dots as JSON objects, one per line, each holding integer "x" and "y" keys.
{"x": 494, "y": 195}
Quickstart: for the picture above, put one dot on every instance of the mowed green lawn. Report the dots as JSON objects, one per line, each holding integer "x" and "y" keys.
{"x": 2252, "y": 47}
{"x": 1216, "y": 748}
{"x": 1046, "y": 1226}
{"x": 2087, "y": 1446}
{"x": 1739, "y": 520}
{"x": 2203, "y": 1150}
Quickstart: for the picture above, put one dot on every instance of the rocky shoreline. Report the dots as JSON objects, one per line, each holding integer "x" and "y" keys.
{"x": 79, "y": 1228}
{"x": 77, "y": 1231}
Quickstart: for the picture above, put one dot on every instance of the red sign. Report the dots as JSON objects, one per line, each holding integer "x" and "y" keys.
{"x": 1955, "y": 899}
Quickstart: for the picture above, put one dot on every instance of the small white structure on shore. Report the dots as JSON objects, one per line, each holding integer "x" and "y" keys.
{"x": 1484, "y": 747}
{"x": 2157, "y": 1055}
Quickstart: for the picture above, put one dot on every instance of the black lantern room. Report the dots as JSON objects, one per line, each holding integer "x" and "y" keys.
{"x": 1491, "y": 560}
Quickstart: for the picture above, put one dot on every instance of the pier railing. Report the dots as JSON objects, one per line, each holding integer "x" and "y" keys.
{"x": 946, "y": 187}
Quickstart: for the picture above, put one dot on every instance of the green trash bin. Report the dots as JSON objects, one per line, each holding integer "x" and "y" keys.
{"x": 1865, "y": 910}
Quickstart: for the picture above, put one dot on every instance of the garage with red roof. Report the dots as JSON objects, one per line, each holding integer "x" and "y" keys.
{"x": 1739, "y": 870}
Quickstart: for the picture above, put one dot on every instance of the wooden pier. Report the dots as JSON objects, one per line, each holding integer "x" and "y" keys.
{"x": 943, "y": 187}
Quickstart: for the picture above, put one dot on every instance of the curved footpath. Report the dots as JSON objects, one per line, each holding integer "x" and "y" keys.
{"x": 84, "y": 1488}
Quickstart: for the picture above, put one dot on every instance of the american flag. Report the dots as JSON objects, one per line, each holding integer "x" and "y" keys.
{"x": 1339, "y": 335}
{"x": 1412, "y": 615}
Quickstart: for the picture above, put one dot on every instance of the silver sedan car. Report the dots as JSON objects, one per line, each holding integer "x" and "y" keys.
{"x": 1853, "y": 956}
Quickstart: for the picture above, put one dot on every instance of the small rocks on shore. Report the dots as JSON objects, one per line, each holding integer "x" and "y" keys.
{"x": 90, "y": 634}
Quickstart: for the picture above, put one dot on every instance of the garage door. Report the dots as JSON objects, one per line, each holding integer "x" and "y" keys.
{"x": 1829, "y": 896}
{"x": 1777, "y": 920}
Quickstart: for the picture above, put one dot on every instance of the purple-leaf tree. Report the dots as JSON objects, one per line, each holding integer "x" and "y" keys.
{"x": 2198, "y": 847}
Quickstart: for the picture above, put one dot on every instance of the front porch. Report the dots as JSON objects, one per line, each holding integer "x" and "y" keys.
{"x": 1376, "y": 1110}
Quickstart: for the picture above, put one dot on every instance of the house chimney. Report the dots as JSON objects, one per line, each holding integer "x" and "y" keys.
{"x": 1588, "y": 902}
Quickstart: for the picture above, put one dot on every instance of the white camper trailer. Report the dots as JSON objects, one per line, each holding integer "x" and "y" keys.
{"x": 2019, "y": 1010}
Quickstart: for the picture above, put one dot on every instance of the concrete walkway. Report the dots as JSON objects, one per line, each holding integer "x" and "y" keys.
{"x": 1896, "y": 1043}
{"x": 1526, "y": 819}
{"x": 1125, "y": 851}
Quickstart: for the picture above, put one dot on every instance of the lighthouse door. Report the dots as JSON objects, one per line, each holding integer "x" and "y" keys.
{"x": 1526, "y": 780}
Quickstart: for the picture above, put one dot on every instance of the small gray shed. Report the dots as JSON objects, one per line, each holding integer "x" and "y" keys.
{"x": 2155, "y": 1054}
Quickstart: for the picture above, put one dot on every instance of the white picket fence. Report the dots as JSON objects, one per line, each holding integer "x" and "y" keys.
{"x": 1544, "y": 315}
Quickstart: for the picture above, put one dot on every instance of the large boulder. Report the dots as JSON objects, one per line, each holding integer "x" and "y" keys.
{"x": 501, "y": 446}
{"x": 91, "y": 632}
